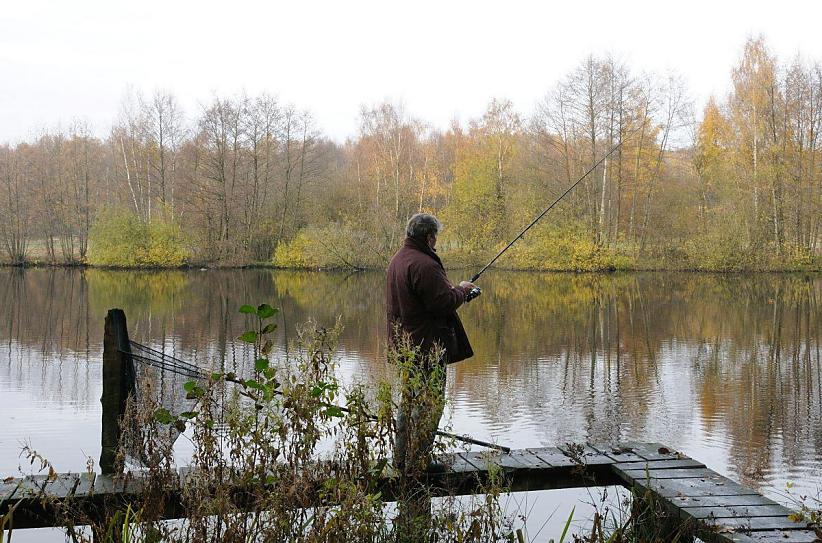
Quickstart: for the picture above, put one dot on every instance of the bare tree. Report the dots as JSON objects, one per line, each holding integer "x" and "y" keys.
{"x": 164, "y": 127}
{"x": 15, "y": 204}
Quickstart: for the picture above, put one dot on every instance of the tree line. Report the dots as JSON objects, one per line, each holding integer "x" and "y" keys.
{"x": 249, "y": 179}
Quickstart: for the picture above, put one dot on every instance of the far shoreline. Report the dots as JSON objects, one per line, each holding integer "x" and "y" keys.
{"x": 349, "y": 269}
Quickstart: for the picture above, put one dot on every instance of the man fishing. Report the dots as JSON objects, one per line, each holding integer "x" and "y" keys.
{"x": 421, "y": 306}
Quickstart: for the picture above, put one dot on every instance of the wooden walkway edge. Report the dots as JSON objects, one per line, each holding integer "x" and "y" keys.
{"x": 717, "y": 508}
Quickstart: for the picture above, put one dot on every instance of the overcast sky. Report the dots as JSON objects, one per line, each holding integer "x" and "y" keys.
{"x": 62, "y": 60}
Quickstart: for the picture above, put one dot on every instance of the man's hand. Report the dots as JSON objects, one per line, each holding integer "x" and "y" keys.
{"x": 470, "y": 289}
{"x": 467, "y": 285}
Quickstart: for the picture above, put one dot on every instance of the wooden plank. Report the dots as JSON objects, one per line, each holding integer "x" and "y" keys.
{"x": 753, "y": 524}
{"x": 528, "y": 459}
{"x": 588, "y": 455}
{"x": 511, "y": 462}
{"x": 482, "y": 461}
{"x": 746, "y": 511}
{"x": 32, "y": 486}
{"x": 773, "y": 536}
{"x": 670, "y": 488}
{"x": 680, "y": 473}
{"x": 457, "y": 464}
{"x": 660, "y": 464}
{"x": 716, "y": 501}
{"x": 654, "y": 451}
{"x": 784, "y": 536}
{"x": 553, "y": 457}
{"x": 116, "y": 484}
{"x": 70, "y": 484}
{"x": 727, "y": 537}
{"x": 617, "y": 453}
{"x": 9, "y": 489}
{"x": 105, "y": 484}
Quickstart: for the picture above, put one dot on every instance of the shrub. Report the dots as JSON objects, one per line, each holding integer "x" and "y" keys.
{"x": 720, "y": 251}
{"x": 568, "y": 249}
{"x": 274, "y": 458}
{"x": 121, "y": 239}
{"x": 801, "y": 258}
{"x": 298, "y": 253}
{"x": 337, "y": 245}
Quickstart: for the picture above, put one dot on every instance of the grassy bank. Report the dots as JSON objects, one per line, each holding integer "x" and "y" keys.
{"x": 159, "y": 246}
{"x": 458, "y": 261}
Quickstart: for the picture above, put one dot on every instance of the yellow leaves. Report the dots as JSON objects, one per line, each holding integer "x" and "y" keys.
{"x": 119, "y": 238}
{"x": 711, "y": 141}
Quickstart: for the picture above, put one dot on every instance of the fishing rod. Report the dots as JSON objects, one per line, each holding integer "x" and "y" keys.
{"x": 476, "y": 291}
{"x": 441, "y": 433}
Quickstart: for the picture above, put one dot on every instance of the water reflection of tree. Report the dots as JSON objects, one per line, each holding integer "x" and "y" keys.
{"x": 43, "y": 314}
{"x": 762, "y": 385}
{"x": 755, "y": 374}
{"x": 600, "y": 357}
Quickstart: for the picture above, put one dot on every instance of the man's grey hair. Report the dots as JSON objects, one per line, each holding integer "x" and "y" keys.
{"x": 420, "y": 225}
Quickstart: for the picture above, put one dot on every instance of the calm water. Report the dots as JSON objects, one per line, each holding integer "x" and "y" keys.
{"x": 724, "y": 368}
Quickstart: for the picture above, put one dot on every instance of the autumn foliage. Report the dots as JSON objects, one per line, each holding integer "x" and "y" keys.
{"x": 736, "y": 186}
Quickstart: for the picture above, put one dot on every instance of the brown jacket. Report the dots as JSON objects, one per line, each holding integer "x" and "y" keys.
{"x": 422, "y": 302}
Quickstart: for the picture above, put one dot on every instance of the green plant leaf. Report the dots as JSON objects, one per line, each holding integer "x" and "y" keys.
{"x": 248, "y": 310}
{"x": 265, "y": 311}
{"x": 189, "y": 386}
{"x": 261, "y": 364}
{"x": 249, "y": 337}
{"x": 251, "y": 383}
{"x": 217, "y": 376}
{"x": 188, "y": 414}
{"x": 567, "y": 525}
{"x": 195, "y": 393}
{"x": 163, "y": 416}
{"x": 334, "y": 411}
{"x": 270, "y": 327}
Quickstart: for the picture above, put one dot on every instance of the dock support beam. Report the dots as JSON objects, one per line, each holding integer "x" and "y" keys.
{"x": 118, "y": 383}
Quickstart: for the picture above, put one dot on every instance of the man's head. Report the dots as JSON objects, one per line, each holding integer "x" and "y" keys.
{"x": 423, "y": 227}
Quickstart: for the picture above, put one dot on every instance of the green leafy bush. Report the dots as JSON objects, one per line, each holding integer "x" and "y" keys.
{"x": 337, "y": 245}
{"x": 802, "y": 258}
{"x": 554, "y": 249}
{"x": 121, "y": 239}
{"x": 300, "y": 252}
{"x": 720, "y": 251}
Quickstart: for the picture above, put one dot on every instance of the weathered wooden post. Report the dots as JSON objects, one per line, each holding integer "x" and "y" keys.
{"x": 118, "y": 383}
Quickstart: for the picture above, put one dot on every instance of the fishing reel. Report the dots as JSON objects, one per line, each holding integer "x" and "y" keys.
{"x": 473, "y": 293}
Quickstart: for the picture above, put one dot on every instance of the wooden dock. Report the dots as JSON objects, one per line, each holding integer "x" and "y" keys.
{"x": 716, "y": 508}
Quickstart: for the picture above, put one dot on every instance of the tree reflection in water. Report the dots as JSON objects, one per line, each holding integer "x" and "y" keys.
{"x": 725, "y": 367}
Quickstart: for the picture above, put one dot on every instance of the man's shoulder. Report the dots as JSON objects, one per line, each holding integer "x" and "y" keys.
{"x": 416, "y": 257}
{"x": 410, "y": 260}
